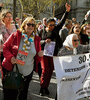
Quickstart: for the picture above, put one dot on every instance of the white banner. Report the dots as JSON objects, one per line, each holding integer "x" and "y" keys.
{"x": 73, "y": 76}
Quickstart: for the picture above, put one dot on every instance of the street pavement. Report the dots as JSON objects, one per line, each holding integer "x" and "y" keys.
{"x": 1, "y": 93}
{"x": 34, "y": 87}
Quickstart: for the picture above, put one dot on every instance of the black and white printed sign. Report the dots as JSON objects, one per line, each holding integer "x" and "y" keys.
{"x": 49, "y": 49}
{"x": 73, "y": 76}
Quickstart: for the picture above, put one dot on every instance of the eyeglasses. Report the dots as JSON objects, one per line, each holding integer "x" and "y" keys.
{"x": 76, "y": 40}
{"x": 29, "y": 24}
{"x": 8, "y": 16}
{"x": 52, "y": 25}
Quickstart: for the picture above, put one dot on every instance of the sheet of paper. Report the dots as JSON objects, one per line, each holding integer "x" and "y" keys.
{"x": 49, "y": 49}
{"x": 21, "y": 57}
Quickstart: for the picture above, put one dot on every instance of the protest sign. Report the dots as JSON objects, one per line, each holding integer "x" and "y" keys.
{"x": 73, "y": 76}
{"x": 49, "y": 49}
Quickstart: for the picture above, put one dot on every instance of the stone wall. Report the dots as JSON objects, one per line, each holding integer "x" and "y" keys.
{"x": 79, "y": 9}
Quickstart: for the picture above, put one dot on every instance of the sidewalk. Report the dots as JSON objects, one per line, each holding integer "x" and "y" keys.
{"x": 33, "y": 92}
{"x": 35, "y": 87}
{"x": 1, "y": 93}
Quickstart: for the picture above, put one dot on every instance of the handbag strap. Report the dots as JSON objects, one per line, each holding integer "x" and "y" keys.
{"x": 17, "y": 70}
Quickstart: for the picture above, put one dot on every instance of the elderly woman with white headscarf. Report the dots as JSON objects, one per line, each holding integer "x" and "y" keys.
{"x": 71, "y": 46}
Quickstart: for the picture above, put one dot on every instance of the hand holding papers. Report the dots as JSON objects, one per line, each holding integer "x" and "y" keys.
{"x": 49, "y": 49}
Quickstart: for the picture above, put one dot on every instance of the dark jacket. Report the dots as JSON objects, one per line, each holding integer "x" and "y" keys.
{"x": 55, "y": 34}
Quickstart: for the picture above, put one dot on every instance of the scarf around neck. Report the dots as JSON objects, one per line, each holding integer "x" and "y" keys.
{"x": 27, "y": 41}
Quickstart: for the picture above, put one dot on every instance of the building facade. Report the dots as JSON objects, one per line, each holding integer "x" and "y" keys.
{"x": 78, "y": 9}
{"x": 9, "y": 4}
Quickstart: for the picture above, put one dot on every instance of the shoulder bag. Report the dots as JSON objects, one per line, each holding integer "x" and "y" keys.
{"x": 13, "y": 80}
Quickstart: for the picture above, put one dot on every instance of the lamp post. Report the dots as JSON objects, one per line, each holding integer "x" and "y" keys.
{"x": 53, "y": 8}
{"x": 21, "y": 9}
{"x": 14, "y": 9}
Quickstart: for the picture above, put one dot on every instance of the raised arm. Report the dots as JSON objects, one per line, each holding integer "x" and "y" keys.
{"x": 68, "y": 7}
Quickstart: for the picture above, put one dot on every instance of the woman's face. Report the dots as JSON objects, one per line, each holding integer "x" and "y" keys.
{"x": 75, "y": 41}
{"x": 51, "y": 25}
{"x": 29, "y": 27}
{"x": 8, "y": 18}
{"x": 77, "y": 29}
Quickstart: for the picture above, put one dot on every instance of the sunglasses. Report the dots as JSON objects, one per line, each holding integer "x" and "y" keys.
{"x": 29, "y": 24}
{"x": 76, "y": 40}
{"x": 52, "y": 25}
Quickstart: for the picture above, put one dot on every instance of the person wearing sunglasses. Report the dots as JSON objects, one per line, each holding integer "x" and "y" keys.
{"x": 48, "y": 34}
{"x": 22, "y": 46}
{"x": 72, "y": 46}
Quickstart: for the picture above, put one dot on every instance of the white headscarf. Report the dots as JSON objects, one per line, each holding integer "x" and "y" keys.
{"x": 88, "y": 13}
{"x": 68, "y": 42}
